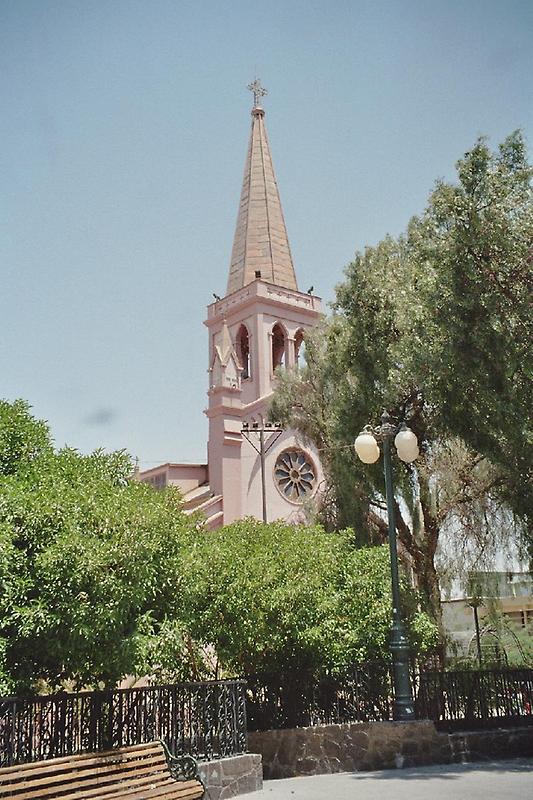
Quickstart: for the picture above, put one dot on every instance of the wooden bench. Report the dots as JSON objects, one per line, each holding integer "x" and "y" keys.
{"x": 140, "y": 772}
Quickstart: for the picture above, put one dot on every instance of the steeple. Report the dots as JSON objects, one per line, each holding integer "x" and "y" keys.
{"x": 260, "y": 246}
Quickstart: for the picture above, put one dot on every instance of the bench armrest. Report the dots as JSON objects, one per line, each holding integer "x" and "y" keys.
{"x": 182, "y": 768}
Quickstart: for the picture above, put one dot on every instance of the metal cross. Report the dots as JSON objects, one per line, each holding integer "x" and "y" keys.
{"x": 258, "y": 91}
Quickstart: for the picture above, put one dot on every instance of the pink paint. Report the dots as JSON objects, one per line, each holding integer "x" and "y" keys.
{"x": 259, "y": 324}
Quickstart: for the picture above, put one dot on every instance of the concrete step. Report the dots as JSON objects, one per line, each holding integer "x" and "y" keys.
{"x": 196, "y": 497}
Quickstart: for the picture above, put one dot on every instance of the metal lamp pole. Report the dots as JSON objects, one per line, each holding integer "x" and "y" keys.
{"x": 399, "y": 642}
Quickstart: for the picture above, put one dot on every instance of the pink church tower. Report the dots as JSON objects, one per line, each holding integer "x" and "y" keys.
{"x": 258, "y": 327}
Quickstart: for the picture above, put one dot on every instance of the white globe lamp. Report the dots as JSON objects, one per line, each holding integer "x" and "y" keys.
{"x": 366, "y": 448}
{"x": 406, "y": 444}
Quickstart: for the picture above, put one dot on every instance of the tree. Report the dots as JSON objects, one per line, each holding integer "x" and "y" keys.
{"x": 396, "y": 319}
{"x": 473, "y": 252}
{"x": 291, "y": 600}
{"x": 101, "y": 576}
{"x": 23, "y": 439}
{"x": 89, "y": 564}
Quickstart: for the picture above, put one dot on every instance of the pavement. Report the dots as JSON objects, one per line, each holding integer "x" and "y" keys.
{"x": 495, "y": 780}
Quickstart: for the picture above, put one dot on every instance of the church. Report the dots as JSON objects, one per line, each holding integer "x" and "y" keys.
{"x": 254, "y": 467}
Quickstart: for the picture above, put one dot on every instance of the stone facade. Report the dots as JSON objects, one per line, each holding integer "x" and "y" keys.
{"x": 379, "y": 745}
{"x": 229, "y": 777}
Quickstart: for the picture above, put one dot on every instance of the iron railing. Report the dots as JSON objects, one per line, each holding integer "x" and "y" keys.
{"x": 209, "y": 720}
{"x": 455, "y": 700}
{"x": 205, "y": 720}
{"x": 362, "y": 694}
{"x": 470, "y": 699}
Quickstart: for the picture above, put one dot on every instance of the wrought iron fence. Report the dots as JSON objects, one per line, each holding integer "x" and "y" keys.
{"x": 209, "y": 720}
{"x": 475, "y": 698}
{"x": 205, "y": 720}
{"x": 454, "y": 700}
{"x": 362, "y": 694}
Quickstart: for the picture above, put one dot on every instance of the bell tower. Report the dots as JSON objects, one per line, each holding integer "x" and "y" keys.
{"x": 256, "y": 329}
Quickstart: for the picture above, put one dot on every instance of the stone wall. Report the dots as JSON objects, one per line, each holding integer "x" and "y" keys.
{"x": 378, "y": 745}
{"x": 498, "y": 743}
{"x": 229, "y": 777}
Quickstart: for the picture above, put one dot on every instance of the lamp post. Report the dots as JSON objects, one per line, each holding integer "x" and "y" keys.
{"x": 367, "y": 448}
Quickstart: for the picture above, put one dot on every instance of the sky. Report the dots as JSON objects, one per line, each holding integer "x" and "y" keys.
{"x": 123, "y": 136}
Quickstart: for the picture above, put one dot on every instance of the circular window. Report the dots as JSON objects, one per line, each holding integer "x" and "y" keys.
{"x": 295, "y": 475}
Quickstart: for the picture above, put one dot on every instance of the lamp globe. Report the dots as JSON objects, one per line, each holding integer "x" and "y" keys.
{"x": 366, "y": 448}
{"x": 406, "y": 444}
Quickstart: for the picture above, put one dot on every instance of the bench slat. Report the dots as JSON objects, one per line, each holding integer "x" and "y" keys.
{"x": 117, "y": 790}
{"x": 97, "y": 777}
{"x": 174, "y": 790}
{"x": 135, "y": 773}
{"x": 94, "y": 758}
{"x": 62, "y": 772}
{"x": 94, "y": 784}
{"x": 164, "y": 790}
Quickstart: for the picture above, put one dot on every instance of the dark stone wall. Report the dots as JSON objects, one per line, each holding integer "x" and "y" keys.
{"x": 486, "y": 745}
{"x": 378, "y": 745}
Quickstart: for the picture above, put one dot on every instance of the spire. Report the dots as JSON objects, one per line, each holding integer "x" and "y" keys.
{"x": 260, "y": 244}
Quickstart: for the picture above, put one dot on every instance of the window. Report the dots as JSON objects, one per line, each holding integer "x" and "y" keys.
{"x": 517, "y": 617}
{"x": 243, "y": 350}
{"x": 299, "y": 349}
{"x": 295, "y": 475}
{"x": 158, "y": 481}
{"x": 278, "y": 346}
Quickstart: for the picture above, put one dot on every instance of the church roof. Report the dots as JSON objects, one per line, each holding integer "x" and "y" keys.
{"x": 261, "y": 244}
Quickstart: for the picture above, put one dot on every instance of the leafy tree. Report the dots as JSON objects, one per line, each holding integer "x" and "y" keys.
{"x": 89, "y": 564}
{"x": 289, "y": 600}
{"x": 102, "y": 576}
{"x": 23, "y": 439}
{"x": 400, "y": 315}
{"x": 472, "y": 251}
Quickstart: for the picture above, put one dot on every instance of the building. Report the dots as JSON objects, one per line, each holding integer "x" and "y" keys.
{"x": 495, "y": 605}
{"x": 254, "y": 468}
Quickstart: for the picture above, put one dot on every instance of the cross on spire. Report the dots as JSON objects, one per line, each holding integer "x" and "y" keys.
{"x": 261, "y": 245}
{"x": 258, "y": 91}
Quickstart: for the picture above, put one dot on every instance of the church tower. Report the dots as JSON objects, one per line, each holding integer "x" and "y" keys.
{"x": 254, "y": 468}
{"x": 257, "y": 328}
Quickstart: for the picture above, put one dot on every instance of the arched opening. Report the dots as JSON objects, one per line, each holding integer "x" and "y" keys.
{"x": 243, "y": 351}
{"x": 299, "y": 349}
{"x": 278, "y": 346}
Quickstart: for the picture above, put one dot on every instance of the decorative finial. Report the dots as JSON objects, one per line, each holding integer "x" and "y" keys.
{"x": 258, "y": 91}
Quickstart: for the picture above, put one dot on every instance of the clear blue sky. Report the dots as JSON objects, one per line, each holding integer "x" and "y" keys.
{"x": 123, "y": 136}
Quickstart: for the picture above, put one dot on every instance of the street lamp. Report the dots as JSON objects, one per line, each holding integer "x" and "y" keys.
{"x": 367, "y": 448}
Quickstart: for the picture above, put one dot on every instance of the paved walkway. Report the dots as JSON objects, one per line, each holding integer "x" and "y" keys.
{"x": 496, "y": 780}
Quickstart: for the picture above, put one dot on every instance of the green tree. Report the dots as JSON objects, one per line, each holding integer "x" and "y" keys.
{"x": 89, "y": 564}
{"x": 386, "y": 346}
{"x": 473, "y": 252}
{"x": 23, "y": 439}
{"x": 288, "y": 600}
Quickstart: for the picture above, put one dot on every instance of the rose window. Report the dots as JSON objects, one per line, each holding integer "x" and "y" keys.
{"x": 295, "y": 475}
